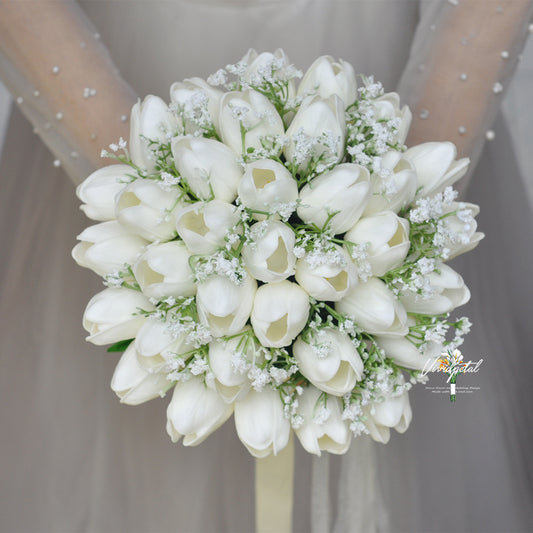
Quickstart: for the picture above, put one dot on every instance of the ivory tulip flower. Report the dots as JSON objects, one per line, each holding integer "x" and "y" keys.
{"x": 208, "y": 166}
{"x": 194, "y": 95}
{"x": 279, "y": 313}
{"x": 326, "y": 77}
{"x": 260, "y": 423}
{"x": 375, "y": 309}
{"x": 392, "y": 413}
{"x": 327, "y": 281}
{"x": 448, "y": 292}
{"x": 229, "y": 382}
{"x": 344, "y": 191}
{"x": 394, "y": 187}
{"x": 147, "y": 209}
{"x": 323, "y": 427}
{"x": 195, "y": 411}
{"x": 105, "y": 248}
{"x": 406, "y": 354}
{"x": 270, "y": 255}
{"x": 150, "y": 120}
{"x": 135, "y": 385}
{"x": 223, "y": 306}
{"x": 254, "y": 113}
{"x": 387, "y": 107}
{"x": 203, "y": 226}
{"x": 111, "y": 316}
{"x": 99, "y": 190}
{"x": 462, "y": 226}
{"x": 388, "y": 237}
{"x": 317, "y": 119}
{"x": 163, "y": 270}
{"x": 266, "y": 183}
{"x": 436, "y": 167}
{"x": 329, "y": 361}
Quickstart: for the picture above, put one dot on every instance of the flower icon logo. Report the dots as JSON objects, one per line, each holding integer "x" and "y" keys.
{"x": 451, "y": 362}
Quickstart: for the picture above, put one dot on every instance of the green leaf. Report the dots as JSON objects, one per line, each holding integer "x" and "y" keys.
{"x": 120, "y": 346}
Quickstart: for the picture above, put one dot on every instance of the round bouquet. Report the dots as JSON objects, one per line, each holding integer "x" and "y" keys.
{"x": 272, "y": 251}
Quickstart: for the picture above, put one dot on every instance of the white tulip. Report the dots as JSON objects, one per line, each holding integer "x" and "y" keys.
{"x": 388, "y": 237}
{"x": 392, "y": 413}
{"x": 375, "y": 309}
{"x": 150, "y": 120}
{"x": 195, "y": 95}
{"x": 436, "y": 167}
{"x": 111, "y": 316}
{"x": 270, "y": 255}
{"x": 105, "y": 248}
{"x": 461, "y": 227}
{"x": 329, "y": 361}
{"x": 99, "y": 190}
{"x": 229, "y": 382}
{"x": 394, "y": 186}
{"x": 157, "y": 342}
{"x": 261, "y": 424}
{"x": 253, "y": 112}
{"x": 326, "y": 77}
{"x": 344, "y": 191}
{"x": 209, "y": 166}
{"x": 203, "y": 225}
{"x": 323, "y": 427}
{"x": 195, "y": 411}
{"x": 279, "y": 313}
{"x": 164, "y": 270}
{"x": 387, "y": 107}
{"x": 266, "y": 183}
{"x": 321, "y": 120}
{"x": 147, "y": 209}
{"x": 135, "y": 385}
{"x": 448, "y": 291}
{"x": 406, "y": 354}
{"x": 328, "y": 281}
{"x": 223, "y": 306}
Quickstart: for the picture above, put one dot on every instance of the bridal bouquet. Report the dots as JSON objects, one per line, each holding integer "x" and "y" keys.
{"x": 272, "y": 251}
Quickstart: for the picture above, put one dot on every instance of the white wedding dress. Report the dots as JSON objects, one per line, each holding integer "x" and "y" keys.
{"x": 72, "y": 458}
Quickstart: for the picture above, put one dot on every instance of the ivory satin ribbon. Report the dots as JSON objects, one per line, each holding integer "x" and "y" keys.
{"x": 273, "y": 491}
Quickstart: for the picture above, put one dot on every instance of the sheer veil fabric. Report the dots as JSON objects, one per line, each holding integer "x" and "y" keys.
{"x": 74, "y": 459}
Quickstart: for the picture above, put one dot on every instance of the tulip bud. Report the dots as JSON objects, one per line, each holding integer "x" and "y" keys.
{"x": 374, "y": 308}
{"x": 388, "y": 237}
{"x": 329, "y": 361}
{"x": 145, "y": 208}
{"x": 223, "y": 306}
{"x": 326, "y": 77}
{"x": 327, "y": 280}
{"x": 279, "y": 313}
{"x": 150, "y": 120}
{"x": 387, "y": 107}
{"x": 251, "y": 111}
{"x": 99, "y": 190}
{"x": 447, "y": 291}
{"x": 203, "y": 226}
{"x": 266, "y": 183}
{"x": 461, "y": 228}
{"x": 323, "y": 427}
{"x": 194, "y": 412}
{"x": 164, "y": 270}
{"x": 260, "y": 423}
{"x": 105, "y": 248}
{"x": 406, "y": 354}
{"x": 111, "y": 316}
{"x": 392, "y": 413}
{"x": 393, "y": 186}
{"x": 270, "y": 255}
{"x": 436, "y": 167}
{"x": 209, "y": 167}
{"x": 344, "y": 191}
{"x": 133, "y": 384}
